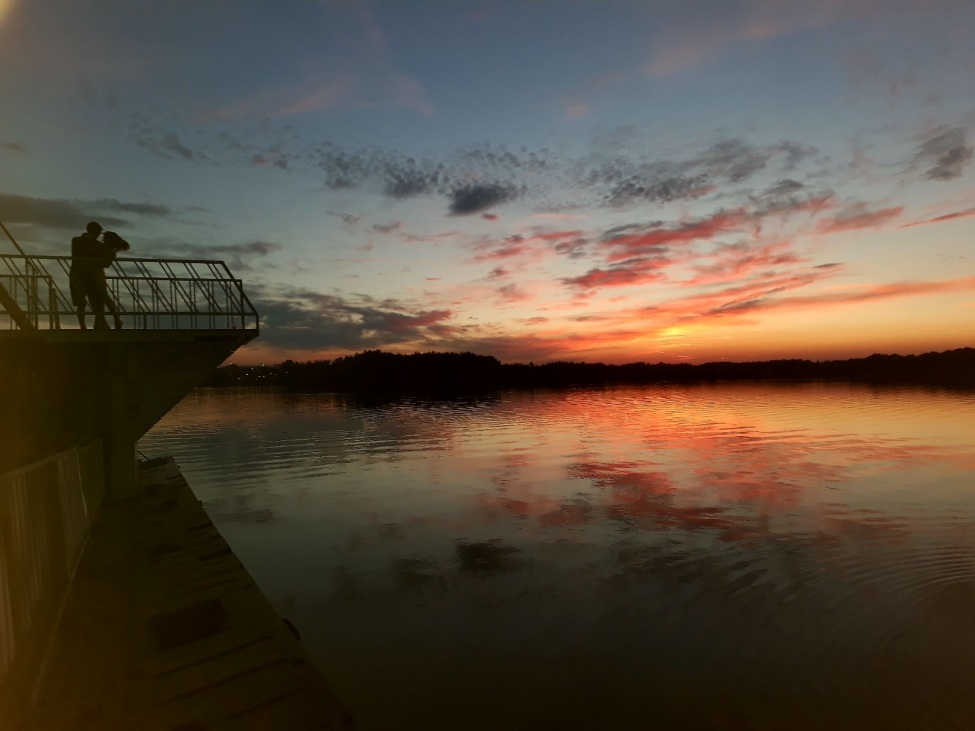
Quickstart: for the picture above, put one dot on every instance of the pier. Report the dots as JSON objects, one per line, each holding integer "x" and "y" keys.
{"x": 121, "y": 606}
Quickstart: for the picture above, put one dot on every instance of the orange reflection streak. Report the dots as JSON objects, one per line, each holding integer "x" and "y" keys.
{"x": 738, "y": 463}
{"x": 737, "y": 474}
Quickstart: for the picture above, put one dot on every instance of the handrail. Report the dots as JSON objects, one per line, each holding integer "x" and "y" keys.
{"x": 150, "y": 294}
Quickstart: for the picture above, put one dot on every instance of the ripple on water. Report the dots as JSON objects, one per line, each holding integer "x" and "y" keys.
{"x": 734, "y": 556}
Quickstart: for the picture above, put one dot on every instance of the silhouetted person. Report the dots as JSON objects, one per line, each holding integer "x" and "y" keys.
{"x": 89, "y": 259}
{"x": 112, "y": 244}
{"x": 82, "y": 275}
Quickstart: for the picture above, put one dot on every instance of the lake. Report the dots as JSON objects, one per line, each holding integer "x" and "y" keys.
{"x": 726, "y": 556}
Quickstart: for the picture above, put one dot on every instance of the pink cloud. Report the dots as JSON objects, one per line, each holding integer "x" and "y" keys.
{"x": 627, "y": 273}
{"x": 506, "y": 251}
{"x": 738, "y": 261}
{"x": 628, "y": 246}
{"x": 556, "y": 235}
{"x": 518, "y": 245}
{"x": 939, "y": 219}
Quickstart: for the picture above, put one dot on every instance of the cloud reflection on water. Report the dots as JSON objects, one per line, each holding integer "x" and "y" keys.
{"x": 807, "y": 537}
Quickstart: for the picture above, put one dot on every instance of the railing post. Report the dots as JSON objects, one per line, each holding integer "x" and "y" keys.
{"x": 10, "y": 305}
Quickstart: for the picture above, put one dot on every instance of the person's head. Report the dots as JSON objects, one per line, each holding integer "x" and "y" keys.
{"x": 115, "y": 241}
{"x": 94, "y": 228}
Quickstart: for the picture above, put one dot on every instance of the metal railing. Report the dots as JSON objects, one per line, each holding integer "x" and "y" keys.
{"x": 150, "y": 294}
{"x": 45, "y": 513}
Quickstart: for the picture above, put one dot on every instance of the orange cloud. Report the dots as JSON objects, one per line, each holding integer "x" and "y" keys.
{"x": 752, "y": 299}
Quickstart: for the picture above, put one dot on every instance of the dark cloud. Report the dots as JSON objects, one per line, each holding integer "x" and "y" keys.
{"x": 500, "y": 160}
{"x": 783, "y": 187}
{"x": 237, "y": 256}
{"x": 949, "y": 152}
{"x": 140, "y": 209}
{"x": 347, "y": 218}
{"x": 733, "y": 159}
{"x": 788, "y": 196}
{"x": 860, "y": 215}
{"x": 794, "y": 152}
{"x": 638, "y": 177}
{"x": 170, "y": 146}
{"x": 259, "y": 248}
{"x": 45, "y": 213}
{"x": 737, "y": 160}
{"x": 386, "y": 228}
{"x": 259, "y": 155}
{"x": 12, "y": 147}
{"x": 476, "y": 177}
{"x": 638, "y": 270}
{"x": 477, "y": 197}
{"x": 409, "y": 182}
{"x": 304, "y": 319}
{"x": 62, "y": 214}
{"x": 402, "y": 176}
{"x": 574, "y": 248}
{"x": 666, "y": 190}
{"x": 628, "y": 228}
{"x": 343, "y": 169}
{"x": 263, "y": 161}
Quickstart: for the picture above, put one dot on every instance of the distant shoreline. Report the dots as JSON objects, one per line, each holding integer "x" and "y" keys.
{"x": 375, "y": 371}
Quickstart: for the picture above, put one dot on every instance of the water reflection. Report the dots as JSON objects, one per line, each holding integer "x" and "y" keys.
{"x": 709, "y": 557}
{"x": 488, "y": 556}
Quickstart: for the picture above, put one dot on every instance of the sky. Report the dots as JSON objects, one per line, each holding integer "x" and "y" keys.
{"x": 604, "y": 181}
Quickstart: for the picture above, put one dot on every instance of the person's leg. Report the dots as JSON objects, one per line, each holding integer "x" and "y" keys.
{"x": 98, "y": 308}
{"x": 113, "y": 308}
{"x": 79, "y": 296}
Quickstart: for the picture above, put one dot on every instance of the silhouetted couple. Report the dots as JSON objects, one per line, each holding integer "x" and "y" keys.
{"x": 89, "y": 259}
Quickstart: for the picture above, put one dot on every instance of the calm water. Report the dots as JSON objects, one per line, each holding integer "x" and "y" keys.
{"x": 768, "y": 557}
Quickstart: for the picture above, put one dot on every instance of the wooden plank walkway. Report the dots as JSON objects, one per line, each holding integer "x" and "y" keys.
{"x": 164, "y": 629}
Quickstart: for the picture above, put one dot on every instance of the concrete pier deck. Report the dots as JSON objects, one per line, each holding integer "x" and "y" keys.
{"x": 164, "y": 629}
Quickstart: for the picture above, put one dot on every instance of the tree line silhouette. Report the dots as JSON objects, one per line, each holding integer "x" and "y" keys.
{"x": 379, "y": 372}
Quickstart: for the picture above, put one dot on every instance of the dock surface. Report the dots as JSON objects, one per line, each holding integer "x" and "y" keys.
{"x": 164, "y": 629}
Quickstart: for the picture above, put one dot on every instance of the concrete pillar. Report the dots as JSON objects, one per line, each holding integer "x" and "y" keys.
{"x": 121, "y": 462}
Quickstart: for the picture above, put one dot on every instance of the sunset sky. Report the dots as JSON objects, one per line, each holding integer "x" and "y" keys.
{"x": 655, "y": 180}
